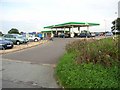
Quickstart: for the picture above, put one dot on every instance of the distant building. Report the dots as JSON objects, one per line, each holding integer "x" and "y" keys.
{"x": 119, "y": 9}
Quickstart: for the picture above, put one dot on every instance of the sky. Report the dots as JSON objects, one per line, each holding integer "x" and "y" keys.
{"x": 33, "y": 15}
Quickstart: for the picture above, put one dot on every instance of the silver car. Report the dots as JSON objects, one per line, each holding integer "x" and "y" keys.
{"x": 15, "y": 38}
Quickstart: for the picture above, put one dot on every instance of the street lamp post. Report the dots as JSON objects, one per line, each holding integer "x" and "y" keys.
{"x": 115, "y": 25}
{"x": 105, "y": 27}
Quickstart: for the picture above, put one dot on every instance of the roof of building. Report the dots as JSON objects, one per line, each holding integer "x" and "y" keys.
{"x": 72, "y": 24}
{"x": 47, "y": 31}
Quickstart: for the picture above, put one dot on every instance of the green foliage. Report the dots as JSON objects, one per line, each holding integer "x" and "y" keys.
{"x": 13, "y": 31}
{"x": 102, "y": 51}
{"x": 1, "y": 33}
{"x": 78, "y": 69}
{"x": 117, "y": 22}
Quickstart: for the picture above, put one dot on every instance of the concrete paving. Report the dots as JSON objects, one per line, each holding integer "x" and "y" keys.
{"x": 27, "y": 75}
{"x": 11, "y": 84}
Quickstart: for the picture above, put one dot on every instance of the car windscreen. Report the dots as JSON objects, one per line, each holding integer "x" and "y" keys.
{"x": 19, "y": 36}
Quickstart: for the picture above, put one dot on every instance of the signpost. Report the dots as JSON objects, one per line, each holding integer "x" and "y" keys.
{"x": 105, "y": 27}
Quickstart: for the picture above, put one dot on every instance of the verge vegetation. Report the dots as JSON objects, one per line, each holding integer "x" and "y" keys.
{"x": 90, "y": 64}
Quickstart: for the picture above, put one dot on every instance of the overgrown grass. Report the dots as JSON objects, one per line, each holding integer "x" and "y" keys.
{"x": 90, "y": 64}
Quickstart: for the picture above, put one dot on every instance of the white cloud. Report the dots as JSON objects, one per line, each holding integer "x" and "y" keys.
{"x": 37, "y": 13}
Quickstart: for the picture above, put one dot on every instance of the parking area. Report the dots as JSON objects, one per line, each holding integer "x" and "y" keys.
{"x": 23, "y": 46}
{"x": 32, "y": 44}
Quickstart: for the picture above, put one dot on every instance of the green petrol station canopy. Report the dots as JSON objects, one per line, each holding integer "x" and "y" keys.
{"x": 49, "y": 31}
{"x": 72, "y": 24}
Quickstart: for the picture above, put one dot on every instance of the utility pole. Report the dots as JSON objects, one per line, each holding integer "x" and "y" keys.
{"x": 119, "y": 9}
{"x": 115, "y": 25}
{"x": 105, "y": 27}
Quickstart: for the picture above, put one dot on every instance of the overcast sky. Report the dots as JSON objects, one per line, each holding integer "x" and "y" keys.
{"x": 33, "y": 15}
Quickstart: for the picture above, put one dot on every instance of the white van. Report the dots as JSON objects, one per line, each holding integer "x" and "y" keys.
{"x": 33, "y": 38}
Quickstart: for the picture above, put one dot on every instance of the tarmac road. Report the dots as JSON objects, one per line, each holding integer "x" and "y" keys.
{"x": 48, "y": 53}
{"x": 33, "y": 67}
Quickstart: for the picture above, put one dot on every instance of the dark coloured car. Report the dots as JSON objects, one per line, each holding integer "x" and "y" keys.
{"x": 5, "y": 44}
{"x": 55, "y": 35}
{"x": 62, "y": 35}
{"x": 84, "y": 35}
{"x": 97, "y": 34}
{"x": 109, "y": 34}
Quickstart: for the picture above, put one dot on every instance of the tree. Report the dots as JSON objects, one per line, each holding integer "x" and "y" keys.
{"x": 13, "y": 31}
{"x": 116, "y": 25}
{"x": 1, "y": 33}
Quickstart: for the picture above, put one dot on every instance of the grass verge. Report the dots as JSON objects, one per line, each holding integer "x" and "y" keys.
{"x": 90, "y": 64}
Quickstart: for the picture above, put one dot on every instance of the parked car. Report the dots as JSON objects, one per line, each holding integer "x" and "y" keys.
{"x": 15, "y": 38}
{"x": 55, "y": 35}
{"x": 25, "y": 38}
{"x": 93, "y": 34}
{"x": 109, "y": 34}
{"x": 5, "y": 44}
{"x": 33, "y": 38}
{"x": 97, "y": 34}
{"x": 63, "y": 35}
{"x": 83, "y": 35}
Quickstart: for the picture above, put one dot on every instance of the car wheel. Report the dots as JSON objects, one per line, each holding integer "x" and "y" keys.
{"x": 36, "y": 40}
{"x": 18, "y": 42}
{"x": 3, "y": 48}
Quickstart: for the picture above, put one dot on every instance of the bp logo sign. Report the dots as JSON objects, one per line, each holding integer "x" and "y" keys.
{"x": 86, "y": 24}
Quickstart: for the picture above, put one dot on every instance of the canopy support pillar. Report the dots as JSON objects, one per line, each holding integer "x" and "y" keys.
{"x": 56, "y": 30}
{"x": 79, "y": 30}
{"x": 72, "y": 33}
{"x": 64, "y": 30}
{"x": 87, "y": 28}
{"x": 69, "y": 29}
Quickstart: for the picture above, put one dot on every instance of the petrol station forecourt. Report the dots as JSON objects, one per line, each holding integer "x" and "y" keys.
{"x": 70, "y": 26}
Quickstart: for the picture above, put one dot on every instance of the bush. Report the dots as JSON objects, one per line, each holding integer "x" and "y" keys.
{"x": 78, "y": 68}
{"x": 97, "y": 51}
